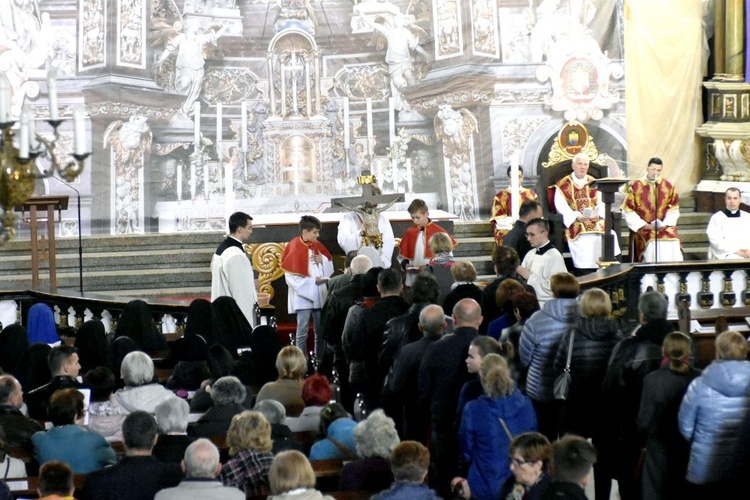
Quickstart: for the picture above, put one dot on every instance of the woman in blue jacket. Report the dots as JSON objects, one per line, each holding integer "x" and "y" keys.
{"x": 712, "y": 411}
{"x": 488, "y": 425}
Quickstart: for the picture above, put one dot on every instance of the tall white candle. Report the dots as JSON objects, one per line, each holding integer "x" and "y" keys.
{"x": 192, "y": 181}
{"x": 243, "y": 122}
{"x": 179, "y": 182}
{"x": 391, "y": 120}
{"x": 52, "y": 93}
{"x": 4, "y": 98}
{"x": 409, "y": 180}
{"x": 515, "y": 194}
{"x": 23, "y": 141}
{"x": 346, "y": 123}
{"x": 219, "y": 131}
{"x": 229, "y": 185}
{"x": 32, "y": 131}
{"x": 205, "y": 181}
{"x": 79, "y": 115}
{"x": 368, "y": 102}
{"x": 197, "y": 125}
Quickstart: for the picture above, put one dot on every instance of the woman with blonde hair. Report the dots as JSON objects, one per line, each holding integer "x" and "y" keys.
{"x": 488, "y": 425}
{"x": 292, "y": 478}
{"x": 249, "y": 440}
{"x": 287, "y": 389}
{"x": 666, "y": 458}
{"x": 594, "y": 335}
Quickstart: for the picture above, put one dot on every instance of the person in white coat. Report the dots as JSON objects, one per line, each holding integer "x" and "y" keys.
{"x": 727, "y": 231}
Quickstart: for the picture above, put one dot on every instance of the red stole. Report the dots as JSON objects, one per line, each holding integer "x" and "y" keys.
{"x": 296, "y": 256}
{"x": 642, "y": 199}
{"x": 579, "y": 199}
{"x": 406, "y": 247}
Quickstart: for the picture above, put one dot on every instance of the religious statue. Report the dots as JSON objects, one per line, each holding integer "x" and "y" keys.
{"x": 399, "y": 32}
{"x": 189, "y": 66}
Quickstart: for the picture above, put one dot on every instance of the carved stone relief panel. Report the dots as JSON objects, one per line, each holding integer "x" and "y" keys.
{"x": 131, "y": 33}
{"x": 448, "y": 29}
{"x": 484, "y": 35}
{"x": 92, "y": 19}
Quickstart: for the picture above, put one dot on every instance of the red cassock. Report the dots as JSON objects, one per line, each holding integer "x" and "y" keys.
{"x": 651, "y": 203}
{"x": 406, "y": 247}
{"x": 579, "y": 199}
{"x": 502, "y": 206}
{"x": 296, "y": 256}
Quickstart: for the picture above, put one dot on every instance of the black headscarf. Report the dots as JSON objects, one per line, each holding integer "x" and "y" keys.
{"x": 35, "y": 370}
{"x": 92, "y": 345}
{"x": 137, "y": 323}
{"x": 121, "y": 347}
{"x": 231, "y": 328}
{"x": 13, "y": 346}
{"x": 200, "y": 320}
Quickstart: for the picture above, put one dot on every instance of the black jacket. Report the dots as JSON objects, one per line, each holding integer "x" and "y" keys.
{"x": 132, "y": 478}
{"x": 18, "y": 428}
{"x": 516, "y": 238}
{"x": 374, "y": 320}
{"x": 462, "y": 291}
{"x": 399, "y": 331}
{"x": 38, "y": 399}
{"x": 215, "y": 422}
{"x": 333, "y": 315}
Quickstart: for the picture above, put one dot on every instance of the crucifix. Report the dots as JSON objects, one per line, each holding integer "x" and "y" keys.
{"x": 294, "y": 68}
{"x": 367, "y": 207}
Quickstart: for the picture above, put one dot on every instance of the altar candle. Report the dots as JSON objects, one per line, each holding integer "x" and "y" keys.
{"x": 229, "y": 180}
{"x": 219, "y": 131}
{"x": 23, "y": 141}
{"x": 346, "y": 123}
{"x": 79, "y": 125}
{"x": 392, "y": 120}
{"x": 32, "y": 131}
{"x": 197, "y": 127}
{"x": 205, "y": 181}
{"x": 4, "y": 98}
{"x": 192, "y": 181}
{"x": 368, "y": 101}
{"x": 179, "y": 182}
{"x": 243, "y": 134}
{"x": 514, "y": 187}
{"x": 409, "y": 179}
{"x": 52, "y": 93}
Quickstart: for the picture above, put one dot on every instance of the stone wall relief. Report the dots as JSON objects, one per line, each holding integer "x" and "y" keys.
{"x": 485, "y": 38}
{"x": 131, "y": 33}
{"x": 580, "y": 74}
{"x": 455, "y": 129}
{"x": 129, "y": 142}
{"x": 92, "y": 18}
{"x": 447, "y": 29}
{"x": 734, "y": 158}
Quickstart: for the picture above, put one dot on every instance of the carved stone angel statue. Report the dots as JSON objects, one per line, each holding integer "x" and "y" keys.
{"x": 189, "y": 66}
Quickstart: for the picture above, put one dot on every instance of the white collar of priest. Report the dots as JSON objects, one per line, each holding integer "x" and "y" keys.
{"x": 731, "y": 214}
{"x": 579, "y": 182}
{"x": 544, "y": 248}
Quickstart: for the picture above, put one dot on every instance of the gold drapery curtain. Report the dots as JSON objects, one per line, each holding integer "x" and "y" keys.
{"x": 663, "y": 74}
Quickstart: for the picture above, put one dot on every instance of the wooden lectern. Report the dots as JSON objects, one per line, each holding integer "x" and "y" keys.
{"x": 33, "y": 205}
{"x": 608, "y": 187}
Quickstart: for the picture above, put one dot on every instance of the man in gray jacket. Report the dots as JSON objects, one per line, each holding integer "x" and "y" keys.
{"x": 201, "y": 466}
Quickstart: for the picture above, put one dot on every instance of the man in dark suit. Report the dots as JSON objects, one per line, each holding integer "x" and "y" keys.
{"x": 516, "y": 238}
{"x": 64, "y": 367}
{"x": 138, "y": 475}
{"x": 442, "y": 373}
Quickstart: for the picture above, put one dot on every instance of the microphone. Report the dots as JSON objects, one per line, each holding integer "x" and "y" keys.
{"x": 80, "y": 244}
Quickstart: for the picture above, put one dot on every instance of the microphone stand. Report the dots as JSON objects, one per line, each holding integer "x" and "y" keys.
{"x": 80, "y": 244}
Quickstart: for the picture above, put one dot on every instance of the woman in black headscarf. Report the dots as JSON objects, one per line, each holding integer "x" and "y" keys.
{"x": 92, "y": 345}
{"x": 35, "y": 371}
{"x": 231, "y": 328}
{"x": 200, "y": 320}
{"x": 137, "y": 323}
{"x": 13, "y": 346}
{"x": 191, "y": 369}
{"x": 120, "y": 347}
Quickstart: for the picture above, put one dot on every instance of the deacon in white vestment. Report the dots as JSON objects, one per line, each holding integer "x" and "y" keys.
{"x": 542, "y": 261}
{"x": 350, "y": 237}
{"x": 231, "y": 269}
{"x": 729, "y": 230}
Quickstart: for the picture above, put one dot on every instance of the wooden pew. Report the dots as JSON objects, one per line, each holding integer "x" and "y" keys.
{"x": 26, "y": 487}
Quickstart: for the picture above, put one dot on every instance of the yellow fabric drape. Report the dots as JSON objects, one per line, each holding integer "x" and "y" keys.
{"x": 663, "y": 68}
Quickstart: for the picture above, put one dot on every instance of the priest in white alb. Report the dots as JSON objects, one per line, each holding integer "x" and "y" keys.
{"x": 729, "y": 230}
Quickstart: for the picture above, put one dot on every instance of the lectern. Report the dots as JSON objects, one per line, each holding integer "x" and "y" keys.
{"x": 608, "y": 187}
{"x": 33, "y": 205}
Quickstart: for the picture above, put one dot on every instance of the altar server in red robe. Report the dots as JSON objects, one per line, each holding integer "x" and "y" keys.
{"x": 414, "y": 252}
{"x": 651, "y": 210}
{"x": 307, "y": 264}
{"x": 502, "y": 207}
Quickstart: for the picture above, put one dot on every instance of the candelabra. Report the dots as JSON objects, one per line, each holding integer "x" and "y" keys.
{"x": 18, "y": 171}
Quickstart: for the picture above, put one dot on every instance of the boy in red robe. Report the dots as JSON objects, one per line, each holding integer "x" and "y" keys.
{"x": 307, "y": 265}
{"x": 414, "y": 252}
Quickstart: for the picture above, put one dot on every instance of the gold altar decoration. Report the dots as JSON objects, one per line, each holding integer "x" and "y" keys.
{"x": 266, "y": 259}
{"x": 572, "y": 139}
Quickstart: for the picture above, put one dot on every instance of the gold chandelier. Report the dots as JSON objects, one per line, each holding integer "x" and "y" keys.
{"x": 18, "y": 172}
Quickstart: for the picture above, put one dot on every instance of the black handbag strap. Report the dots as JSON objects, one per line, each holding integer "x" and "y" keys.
{"x": 570, "y": 350}
{"x": 505, "y": 428}
{"x": 348, "y": 454}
